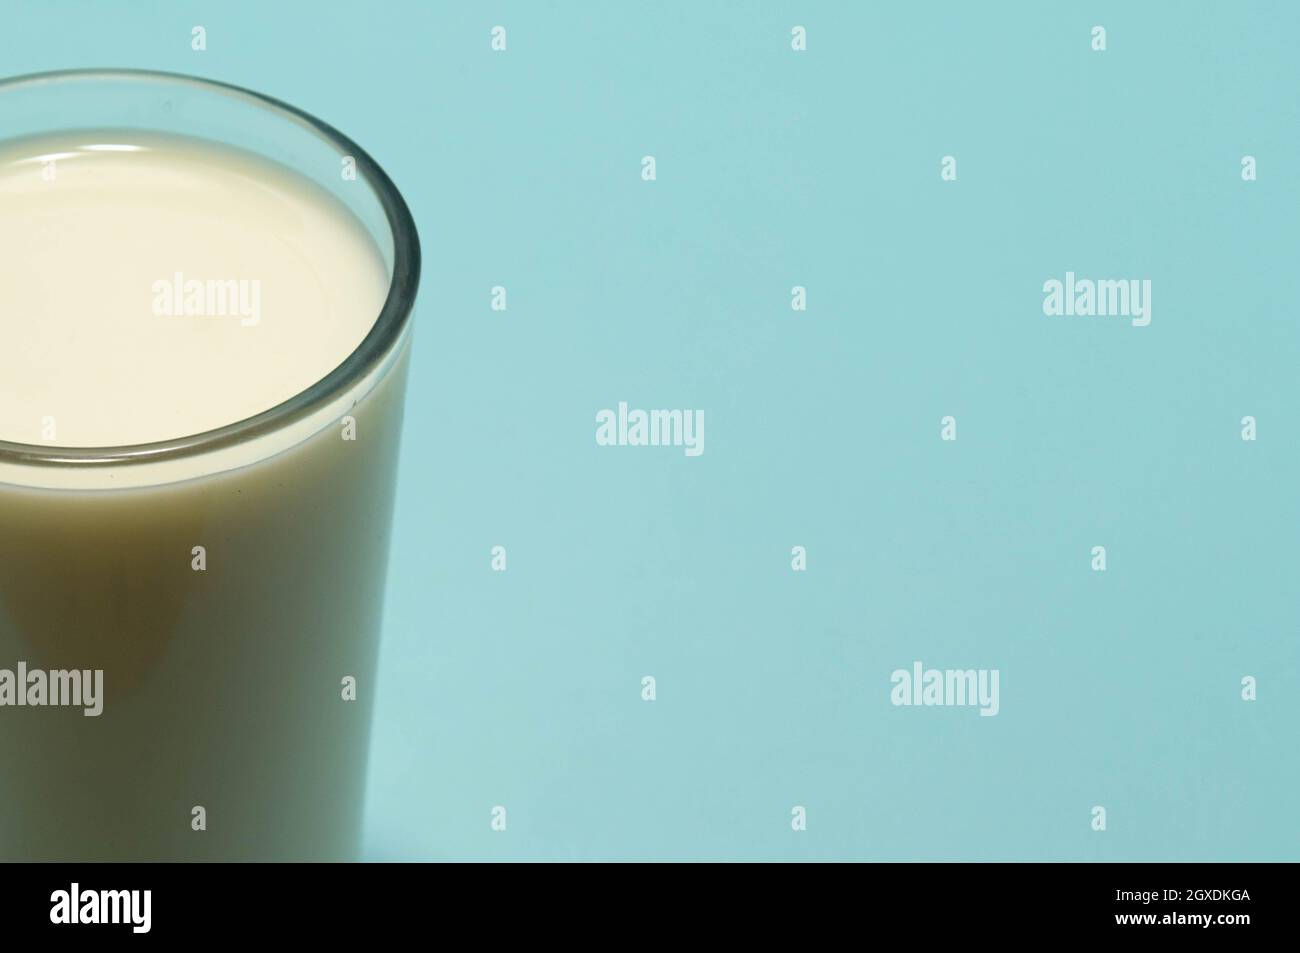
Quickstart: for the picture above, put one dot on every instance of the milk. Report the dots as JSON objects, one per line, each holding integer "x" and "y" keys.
{"x": 95, "y": 233}
{"x": 231, "y": 599}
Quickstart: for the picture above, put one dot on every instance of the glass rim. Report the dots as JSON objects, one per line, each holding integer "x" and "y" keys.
{"x": 380, "y": 341}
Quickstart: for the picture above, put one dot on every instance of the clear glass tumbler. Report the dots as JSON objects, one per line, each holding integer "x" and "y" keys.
{"x": 229, "y": 729}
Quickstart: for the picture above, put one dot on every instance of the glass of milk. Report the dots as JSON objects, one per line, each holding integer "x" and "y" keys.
{"x": 205, "y": 323}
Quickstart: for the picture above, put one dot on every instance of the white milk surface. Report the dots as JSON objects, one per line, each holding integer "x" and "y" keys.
{"x": 154, "y": 287}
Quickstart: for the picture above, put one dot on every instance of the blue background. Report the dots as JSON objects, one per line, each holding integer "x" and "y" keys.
{"x": 821, "y": 169}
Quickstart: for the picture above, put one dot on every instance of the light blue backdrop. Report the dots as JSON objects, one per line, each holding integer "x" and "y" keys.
{"x": 819, "y": 168}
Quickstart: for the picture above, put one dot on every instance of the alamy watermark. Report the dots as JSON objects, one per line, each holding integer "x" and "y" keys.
{"x": 651, "y": 428}
{"x": 214, "y": 297}
{"x": 1104, "y": 297}
{"x": 37, "y": 688}
{"x": 946, "y": 687}
{"x": 75, "y": 906}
